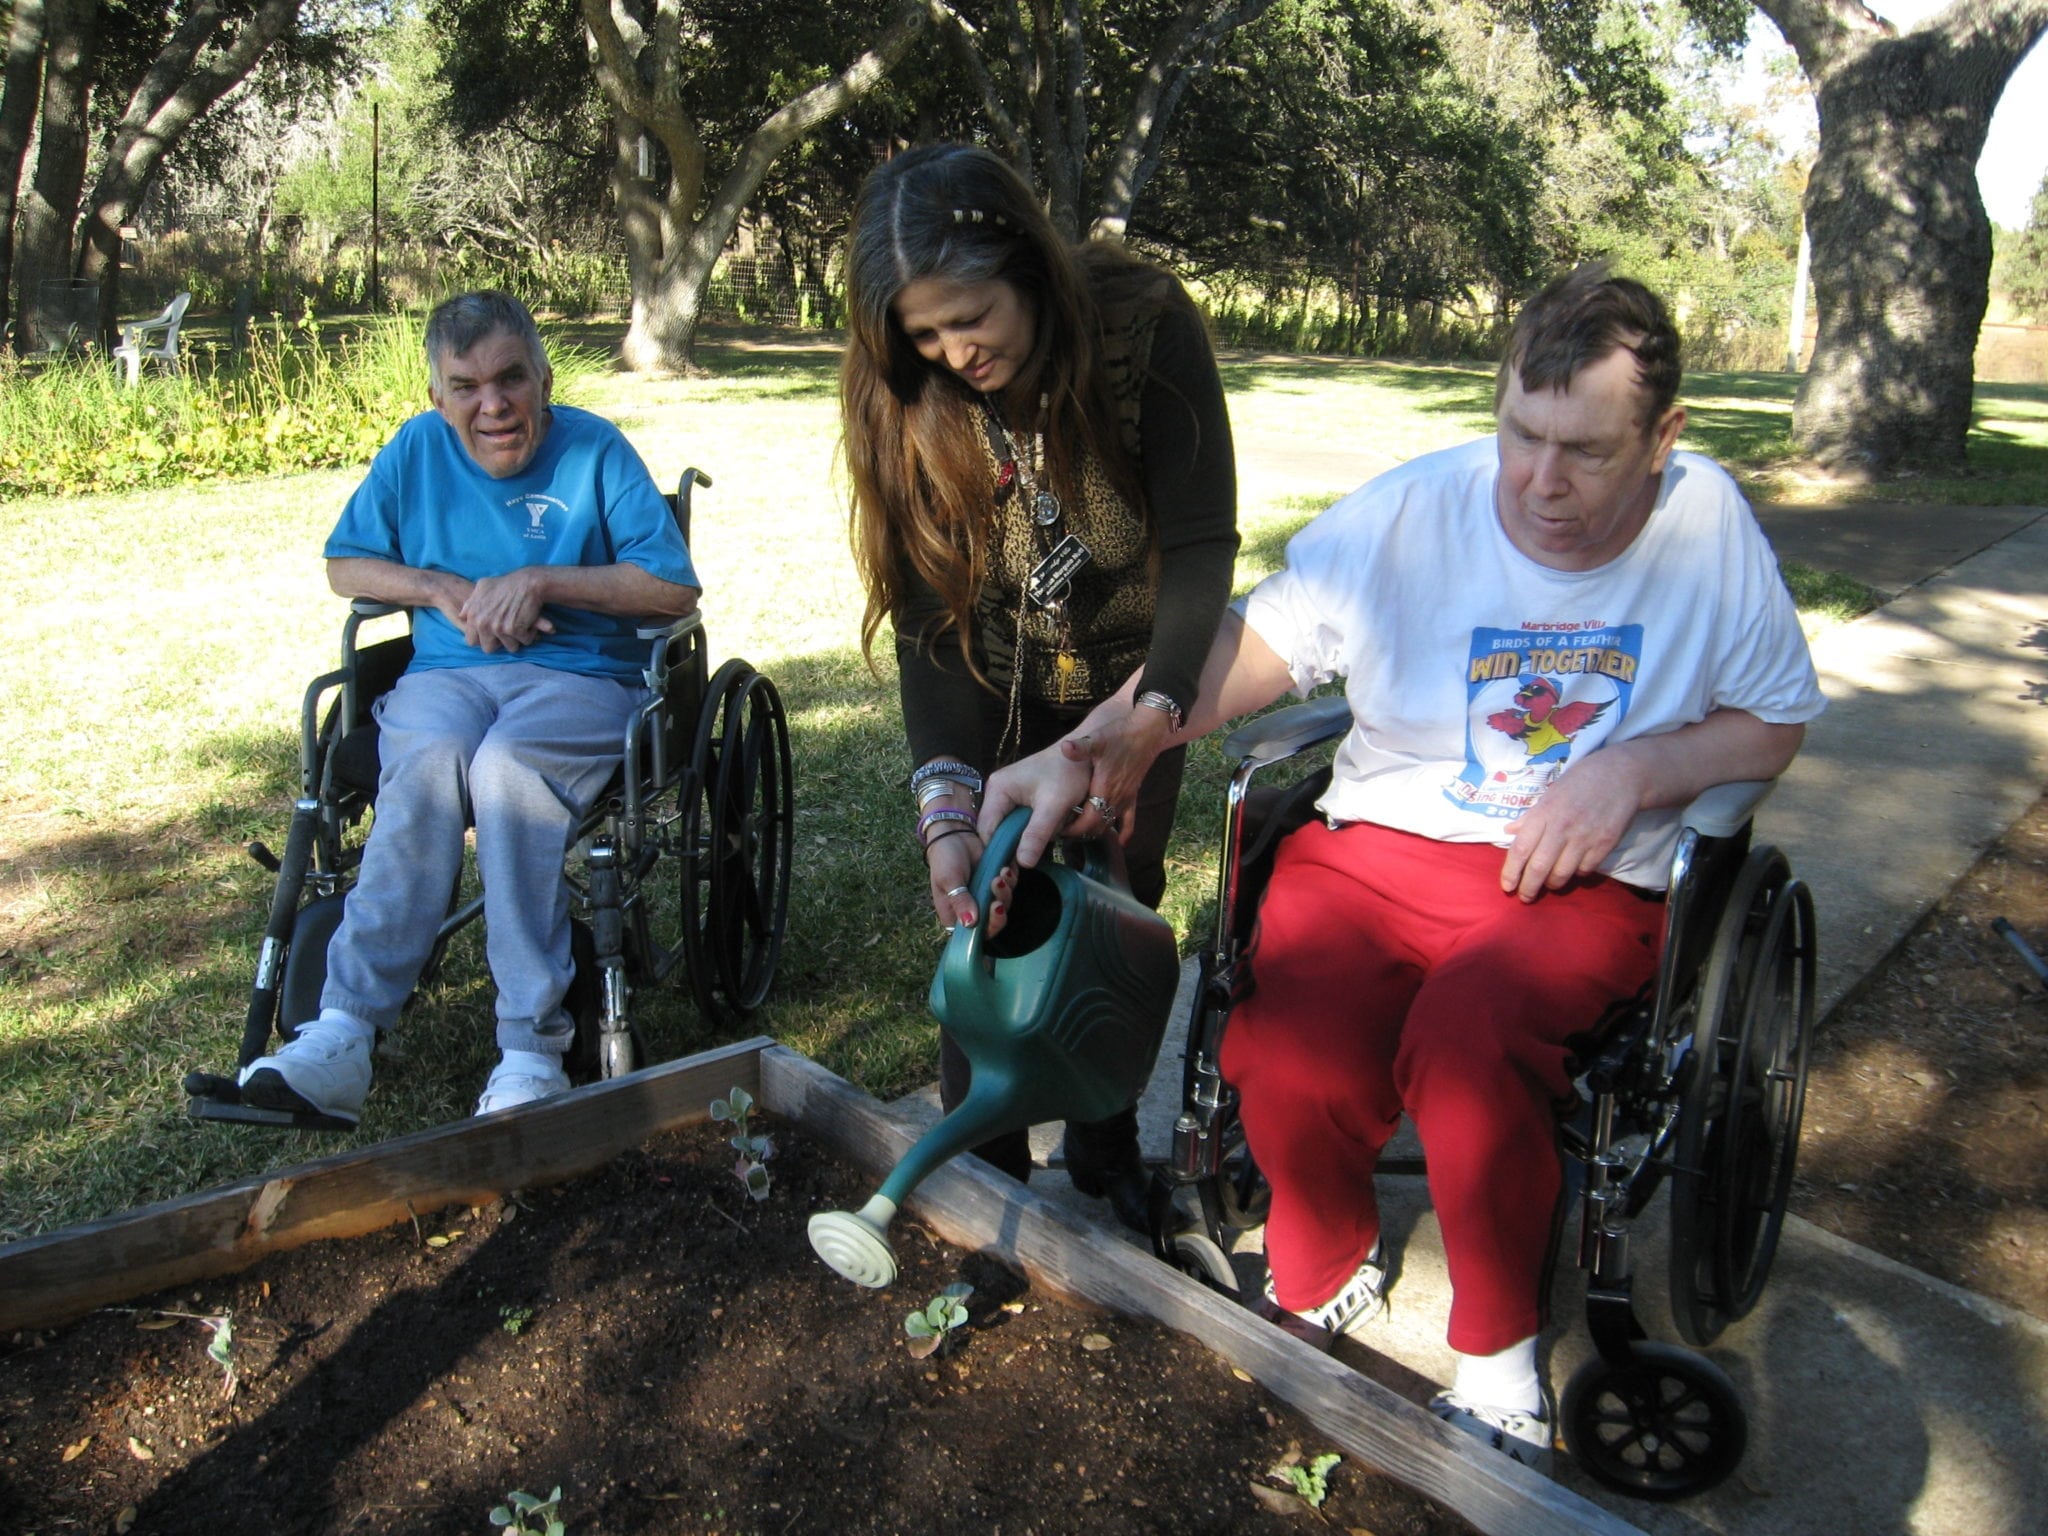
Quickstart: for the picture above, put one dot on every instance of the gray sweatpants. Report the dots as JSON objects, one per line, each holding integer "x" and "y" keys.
{"x": 529, "y": 748}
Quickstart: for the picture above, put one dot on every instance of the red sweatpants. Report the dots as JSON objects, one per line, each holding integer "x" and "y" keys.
{"x": 1391, "y": 972}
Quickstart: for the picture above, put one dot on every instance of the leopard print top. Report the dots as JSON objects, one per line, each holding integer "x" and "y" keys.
{"x": 1111, "y": 601}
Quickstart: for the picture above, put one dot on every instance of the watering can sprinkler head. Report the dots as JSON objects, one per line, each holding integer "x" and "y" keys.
{"x": 1060, "y": 1017}
{"x": 856, "y": 1243}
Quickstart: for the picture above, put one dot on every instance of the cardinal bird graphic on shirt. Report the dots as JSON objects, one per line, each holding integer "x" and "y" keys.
{"x": 1542, "y": 720}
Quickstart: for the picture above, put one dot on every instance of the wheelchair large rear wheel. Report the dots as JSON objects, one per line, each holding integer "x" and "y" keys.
{"x": 1666, "y": 1424}
{"x": 305, "y": 963}
{"x": 738, "y": 833}
{"x": 1242, "y": 1192}
{"x": 1742, "y": 1095}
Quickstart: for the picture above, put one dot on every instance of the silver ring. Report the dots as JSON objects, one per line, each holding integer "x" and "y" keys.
{"x": 1078, "y": 811}
{"x": 1105, "y": 810}
{"x": 959, "y": 890}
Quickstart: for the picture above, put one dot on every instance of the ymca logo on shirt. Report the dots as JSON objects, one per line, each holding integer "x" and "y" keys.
{"x": 1534, "y": 695}
{"x": 536, "y": 510}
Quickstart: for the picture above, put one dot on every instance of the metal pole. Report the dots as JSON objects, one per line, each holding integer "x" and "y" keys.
{"x": 376, "y": 148}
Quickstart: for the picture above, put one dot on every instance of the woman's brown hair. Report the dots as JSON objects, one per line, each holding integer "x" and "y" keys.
{"x": 921, "y": 487}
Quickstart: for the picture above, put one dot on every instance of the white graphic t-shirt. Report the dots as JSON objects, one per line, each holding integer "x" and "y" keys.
{"x": 1474, "y": 673}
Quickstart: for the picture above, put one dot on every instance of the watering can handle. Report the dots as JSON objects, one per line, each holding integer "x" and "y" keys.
{"x": 1002, "y": 849}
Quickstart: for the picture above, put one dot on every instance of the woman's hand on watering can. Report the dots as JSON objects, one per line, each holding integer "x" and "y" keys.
{"x": 1119, "y": 743}
{"x": 950, "y": 863}
{"x": 1055, "y": 789}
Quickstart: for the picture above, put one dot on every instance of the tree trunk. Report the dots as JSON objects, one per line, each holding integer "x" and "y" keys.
{"x": 671, "y": 246}
{"x": 51, "y": 207}
{"x": 1184, "y": 50}
{"x": 20, "y": 87}
{"x": 1901, "y": 243}
{"x": 209, "y": 54}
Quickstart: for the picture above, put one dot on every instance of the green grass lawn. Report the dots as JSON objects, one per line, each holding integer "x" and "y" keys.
{"x": 158, "y": 643}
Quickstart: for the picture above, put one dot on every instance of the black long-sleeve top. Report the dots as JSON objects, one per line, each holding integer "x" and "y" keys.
{"x": 1188, "y": 469}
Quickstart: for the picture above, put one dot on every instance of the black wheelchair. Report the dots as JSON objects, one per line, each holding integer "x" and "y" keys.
{"x": 1698, "y": 1088}
{"x": 682, "y": 865}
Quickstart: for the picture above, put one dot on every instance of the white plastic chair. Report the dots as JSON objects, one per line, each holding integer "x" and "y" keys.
{"x": 134, "y": 350}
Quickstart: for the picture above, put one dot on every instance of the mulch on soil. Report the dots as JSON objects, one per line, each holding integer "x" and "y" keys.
{"x": 1926, "y": 1133}
{"x": 670, "y": 1354}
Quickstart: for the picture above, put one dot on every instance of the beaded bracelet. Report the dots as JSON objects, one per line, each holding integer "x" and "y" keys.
{"x": 943, "y": 813}
{"x": 947, "y": 768}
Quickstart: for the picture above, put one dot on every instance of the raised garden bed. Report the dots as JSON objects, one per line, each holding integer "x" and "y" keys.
{"x": 671, "y": 1353}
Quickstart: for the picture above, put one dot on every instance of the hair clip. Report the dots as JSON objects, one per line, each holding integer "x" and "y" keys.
{"x": 978, "y": 216}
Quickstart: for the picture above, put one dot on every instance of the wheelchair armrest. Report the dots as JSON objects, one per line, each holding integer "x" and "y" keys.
{"x": 370, "y": 608}
{"x": 1287, "y": 731}
{"x": 674, "y": 631}
{"x": 1722, "y": 810}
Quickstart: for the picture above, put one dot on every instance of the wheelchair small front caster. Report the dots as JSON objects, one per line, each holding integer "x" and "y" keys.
{"x": 1195, "y": 1254}
{"x": 1665, "y": 1425}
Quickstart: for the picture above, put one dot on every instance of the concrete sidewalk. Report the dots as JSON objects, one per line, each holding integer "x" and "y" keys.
{"x": 1880, "y": 1399}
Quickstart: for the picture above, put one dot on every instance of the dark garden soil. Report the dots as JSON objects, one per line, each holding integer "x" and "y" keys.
{"x": 672, "y": 1356}
{"x": 1926, "y": 1132}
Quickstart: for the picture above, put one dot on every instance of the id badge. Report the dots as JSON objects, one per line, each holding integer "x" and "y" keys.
{"x": 1047, "y": 583}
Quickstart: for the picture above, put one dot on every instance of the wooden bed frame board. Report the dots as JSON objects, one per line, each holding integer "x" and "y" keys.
{"x": 61, "y": 1275}
{"x": 972, "y": 1206}
{"x": 53, "y": 1278}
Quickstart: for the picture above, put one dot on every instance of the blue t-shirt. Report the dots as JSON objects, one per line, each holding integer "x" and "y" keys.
{"x": 586, "y": 499}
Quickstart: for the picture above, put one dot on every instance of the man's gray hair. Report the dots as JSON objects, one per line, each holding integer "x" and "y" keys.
{"x": 459, "y": 323}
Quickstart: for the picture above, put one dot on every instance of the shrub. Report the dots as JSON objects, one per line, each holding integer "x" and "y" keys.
{"x": 291, "y": 400}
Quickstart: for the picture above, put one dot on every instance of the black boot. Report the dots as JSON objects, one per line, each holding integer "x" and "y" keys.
{"x": 1102, "y": 1160}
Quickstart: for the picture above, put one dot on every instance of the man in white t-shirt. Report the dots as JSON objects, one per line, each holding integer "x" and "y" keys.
{"x": 1551, "y": 640}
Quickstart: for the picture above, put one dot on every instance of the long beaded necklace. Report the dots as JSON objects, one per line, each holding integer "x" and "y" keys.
{"x": 1043, "y": 505}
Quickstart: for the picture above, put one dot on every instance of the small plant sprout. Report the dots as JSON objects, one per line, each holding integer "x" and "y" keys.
{"x": 929, "y": 1324}
{"x": 751, "y": 1170}
{"x": 221, "y": 1350}
{"x": 514, "y": 1318}
{"x": 524, "y": 1514}
{"x": 1311, "y": 1483}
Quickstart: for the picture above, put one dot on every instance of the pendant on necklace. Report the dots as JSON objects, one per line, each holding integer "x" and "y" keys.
{"x": 1045, "y": 509}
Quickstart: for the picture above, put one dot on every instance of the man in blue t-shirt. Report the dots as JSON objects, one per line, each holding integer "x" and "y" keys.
{"x": 529, "y": 543}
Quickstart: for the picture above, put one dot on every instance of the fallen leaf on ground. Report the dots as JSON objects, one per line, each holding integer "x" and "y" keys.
{"x": 1279, "y": 1503}
{"x": 140, "y": 1451}
{"x": 73, "y": 1452}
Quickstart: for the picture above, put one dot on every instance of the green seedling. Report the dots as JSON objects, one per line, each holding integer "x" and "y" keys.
{"x": 1310, "y": 1483}
{"x": 221, "y": 1350}
{"x": 526, "y": 1515}
{"x": 929, "y": 1325}
{"x": 515, "y": 1318}
{"x": 751, "y": 1170}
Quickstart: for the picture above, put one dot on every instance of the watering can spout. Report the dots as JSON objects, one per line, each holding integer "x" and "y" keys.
{"x": 1060, "y": 1019}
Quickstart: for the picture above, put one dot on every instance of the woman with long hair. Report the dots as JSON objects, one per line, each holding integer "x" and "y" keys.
{"x": 1045, "y": 512}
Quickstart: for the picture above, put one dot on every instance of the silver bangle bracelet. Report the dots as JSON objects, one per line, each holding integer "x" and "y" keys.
{"x": 1152, "y": 699}
{"x": 937, "y": 789}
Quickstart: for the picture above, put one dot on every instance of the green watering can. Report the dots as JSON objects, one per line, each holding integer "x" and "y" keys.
{"x": 1060, "y": 1015}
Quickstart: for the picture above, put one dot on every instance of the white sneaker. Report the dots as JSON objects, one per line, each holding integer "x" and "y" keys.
{"x": 325, "y": 1069}
{"x": 523, "y": 1077}
{"x": 1358, "y": 1301}
{"x": 1524, "y": 1436}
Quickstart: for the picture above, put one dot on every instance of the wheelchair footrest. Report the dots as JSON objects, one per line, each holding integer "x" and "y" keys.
{"x": 213, "y": 1097}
